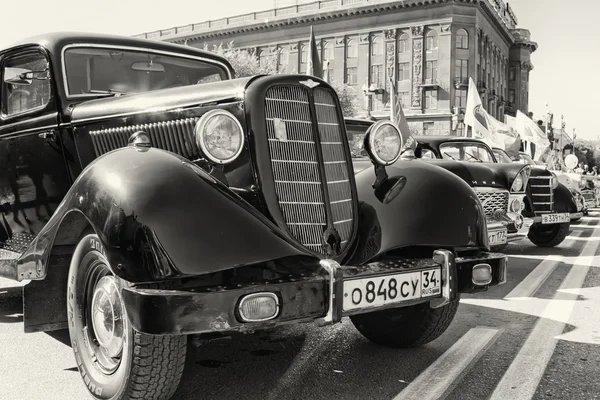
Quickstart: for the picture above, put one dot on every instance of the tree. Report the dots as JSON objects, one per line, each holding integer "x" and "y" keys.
{"x": 246, "y": 63}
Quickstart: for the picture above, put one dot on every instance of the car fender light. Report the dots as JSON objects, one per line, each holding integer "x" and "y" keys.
{"x": 481, "y": 274}
{"x": 258, "y": 307}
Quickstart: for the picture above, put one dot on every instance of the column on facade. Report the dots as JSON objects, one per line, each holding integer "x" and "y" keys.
{"x": 363, "y": 62}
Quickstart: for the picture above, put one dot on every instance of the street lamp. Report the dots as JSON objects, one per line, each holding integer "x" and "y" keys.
{"x": 369, "y": 91}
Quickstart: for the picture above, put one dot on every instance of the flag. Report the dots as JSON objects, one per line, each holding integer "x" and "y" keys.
{"x": 487, "y": 128}
{"x": 314, "y": 67}
{"x": 397, "y": 116}
{"x": 531, "y": 132}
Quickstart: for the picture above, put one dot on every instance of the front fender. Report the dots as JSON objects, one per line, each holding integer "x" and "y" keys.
{"x": 194, "y": 224}
{"x": 563, "y": 200}
{"x": 421, "y": 205}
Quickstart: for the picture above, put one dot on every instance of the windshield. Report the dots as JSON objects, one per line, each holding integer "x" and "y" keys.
{"x": 472, "y": 152}
{"x": 526, "y": 159}
{"x": 96, "y": 70}
{"x": 502, "y": 157}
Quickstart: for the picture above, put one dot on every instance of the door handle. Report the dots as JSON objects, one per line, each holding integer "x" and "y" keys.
{"x": 47, "y": 135}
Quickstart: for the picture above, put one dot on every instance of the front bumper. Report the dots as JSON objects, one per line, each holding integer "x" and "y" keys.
{"x": 318, "y": 298}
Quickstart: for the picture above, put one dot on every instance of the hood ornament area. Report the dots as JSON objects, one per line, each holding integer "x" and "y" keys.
{"x": 310, "y": 83}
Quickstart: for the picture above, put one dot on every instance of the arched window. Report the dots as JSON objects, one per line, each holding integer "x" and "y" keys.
{"x": 263, "y": 56}
{"x": 403, "y": 44}
{"x": 431, "y": 40}
{"x": 462, "y": 39}
{"x": 303, "y": 54}
{"x": 376, "y": 46}
{"x": 328, "y": 51}
{"x": 352, "y": 48}
{"x": 284, "y": 55}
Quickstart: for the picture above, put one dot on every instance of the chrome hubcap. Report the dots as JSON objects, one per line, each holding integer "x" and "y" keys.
{"x": 108, "y": 320}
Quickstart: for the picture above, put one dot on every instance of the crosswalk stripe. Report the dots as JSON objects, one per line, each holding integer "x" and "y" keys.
{"x": 522, "y": 378}
{"x": 441, "y": 376}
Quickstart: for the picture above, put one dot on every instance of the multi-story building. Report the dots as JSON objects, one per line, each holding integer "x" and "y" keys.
{"x": 430, "y": 48}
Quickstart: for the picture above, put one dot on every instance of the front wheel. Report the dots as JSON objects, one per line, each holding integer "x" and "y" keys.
{"x": 115, "y": 361}
{"x": 407, "y": 326}
{"x": 548, "y": 235}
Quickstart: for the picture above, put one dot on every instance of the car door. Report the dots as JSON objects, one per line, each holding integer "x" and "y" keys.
{"x": 33, "y": 175}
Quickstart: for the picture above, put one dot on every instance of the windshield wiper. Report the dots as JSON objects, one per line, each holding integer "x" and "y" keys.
{"x": 109, "y": 91}
{"x": 446, "y": 154}
{"x": 472, "y": 156}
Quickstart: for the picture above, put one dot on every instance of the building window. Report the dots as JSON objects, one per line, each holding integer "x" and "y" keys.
{"x": 462, "y": 39}
{"x": 404, "y": 71}
{"x": 352, "y": 48}
{"x": 461, "y": 71}
{"x": 431, "y": 40}
{"x": 404, "y": 99}
{"x": 511, "y": 96}
{"x": 431, "y": 99}
{"x": 428, "y": 128}
{"x": 377, "y": 75}
{"x": 263, "y": 58}
{"x": 430, "y": 71}
{"x": 512, "y": 74}
{"x": 283, "y": 59}
{"x": 328, "y": 51}
{"x": 403, "y": 44}
{"x": 460, "y": 98}
{"x": 351, "y": 76}
{"x": 376, "y": 46}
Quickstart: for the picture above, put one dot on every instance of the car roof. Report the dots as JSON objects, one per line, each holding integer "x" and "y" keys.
{"x": 55, "y": 41}
{"x": 436, "y": 140}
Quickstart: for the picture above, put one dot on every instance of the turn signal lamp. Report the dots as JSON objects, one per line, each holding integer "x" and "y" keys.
{"x": 258, "y": 307}
{"x": 515, "y": 205}
{"x": 481, "y": 274}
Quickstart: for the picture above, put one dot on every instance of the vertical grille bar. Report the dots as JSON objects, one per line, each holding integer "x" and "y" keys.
{"x": 296, "y": 164}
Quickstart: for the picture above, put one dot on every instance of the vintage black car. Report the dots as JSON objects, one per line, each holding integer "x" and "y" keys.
{"x": 524, "y": 158}
{"x": 149, "y": 195}
{"x": 548, "y": 205}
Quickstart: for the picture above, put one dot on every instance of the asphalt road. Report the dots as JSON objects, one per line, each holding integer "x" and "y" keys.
{"x": 536, "y": 337}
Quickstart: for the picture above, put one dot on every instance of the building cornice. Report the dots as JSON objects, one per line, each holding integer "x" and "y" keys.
{"x": 305, "y": 14}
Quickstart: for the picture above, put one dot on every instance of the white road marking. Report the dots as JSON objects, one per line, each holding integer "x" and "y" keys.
{"x": 441, "y": 376}
{"x": 532, "y": 282}
{"x": 527, "y": 369}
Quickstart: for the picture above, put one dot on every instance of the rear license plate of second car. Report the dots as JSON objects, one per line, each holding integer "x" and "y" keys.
{"x": 389, "y": 289}
{"x": 555, "y": 218}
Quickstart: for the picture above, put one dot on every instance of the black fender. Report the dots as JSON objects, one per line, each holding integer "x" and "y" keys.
{"x": 563, "y": 200}
{"x": 193, "y": 223}
{"x": 420, "y": 204}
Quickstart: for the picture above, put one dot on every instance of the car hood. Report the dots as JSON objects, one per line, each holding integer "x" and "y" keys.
{"x": 481, "y": 174}
{"x": 160, "y": 100}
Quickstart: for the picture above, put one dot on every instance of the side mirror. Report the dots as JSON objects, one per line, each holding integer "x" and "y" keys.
{"x": 18, "y": 76}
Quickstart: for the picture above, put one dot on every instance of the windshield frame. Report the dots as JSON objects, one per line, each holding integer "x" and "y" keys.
{"x": 466, "y": 143}
{"x": 126, "y": 48}
{"x": 503, "y": 154}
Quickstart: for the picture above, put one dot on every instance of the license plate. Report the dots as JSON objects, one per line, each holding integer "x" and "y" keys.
{"x": 555, "y": 218}
{"x": 497, "y": 237}
{"x": 391, "y": 289}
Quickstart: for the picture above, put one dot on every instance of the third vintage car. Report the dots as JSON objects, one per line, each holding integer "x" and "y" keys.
{"x": 148, "y": 194}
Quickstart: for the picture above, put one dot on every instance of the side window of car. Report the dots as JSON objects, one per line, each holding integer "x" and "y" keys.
{"x": 25, "y": 84}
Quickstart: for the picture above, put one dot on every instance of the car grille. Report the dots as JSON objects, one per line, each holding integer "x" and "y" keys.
{"x": 304, "y": 194}
{"x": 176, "y": 136}
{"x": 588, "y": 195}
{"x": 492, "y": 200}
{"x": 542, "y": 195}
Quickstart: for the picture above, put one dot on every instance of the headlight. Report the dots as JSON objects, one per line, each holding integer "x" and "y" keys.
{"x": 384, "y": 142}
{"x": 517, "y": 185}
{"x": 220, "y": 136}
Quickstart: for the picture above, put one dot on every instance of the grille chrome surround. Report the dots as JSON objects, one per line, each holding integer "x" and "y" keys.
{"x": 295, "y": 160}
{"x": 542, "y": 194}
{"x": 492, "y": 200}
{"x": 176, "y": 136}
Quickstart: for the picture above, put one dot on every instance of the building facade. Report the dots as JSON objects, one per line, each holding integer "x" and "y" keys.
{"x": 429, "y": 48}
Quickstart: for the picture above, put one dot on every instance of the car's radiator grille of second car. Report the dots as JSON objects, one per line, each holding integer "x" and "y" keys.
{"x": 493, "y": 200}
{"x": 541, "y": 191}
{"x": 296, "y": 164}
{"x": 176, "y": 136}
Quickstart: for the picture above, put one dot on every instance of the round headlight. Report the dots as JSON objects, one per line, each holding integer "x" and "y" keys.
{"x": 384, "y": 142}
{"x": 220, "y": 136}
{"x": 517, "y": 185}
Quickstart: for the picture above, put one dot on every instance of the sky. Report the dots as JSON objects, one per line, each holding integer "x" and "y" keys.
{"x": 565, "y": 63}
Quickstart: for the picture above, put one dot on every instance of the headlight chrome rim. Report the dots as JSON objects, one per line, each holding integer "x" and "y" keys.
{"x": 199, "y": 135}
{"x": 371, "y": 142}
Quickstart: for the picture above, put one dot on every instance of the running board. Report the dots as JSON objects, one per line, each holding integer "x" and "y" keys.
{"x": 11, "y": 251}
